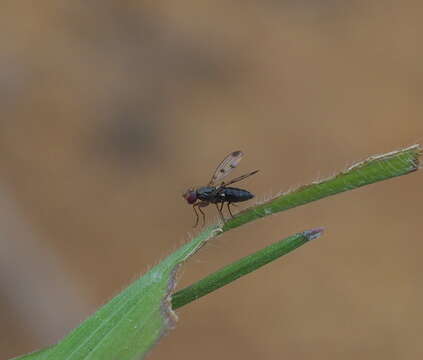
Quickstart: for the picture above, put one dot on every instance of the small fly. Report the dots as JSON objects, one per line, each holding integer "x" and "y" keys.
{"x": 219, "y": 194}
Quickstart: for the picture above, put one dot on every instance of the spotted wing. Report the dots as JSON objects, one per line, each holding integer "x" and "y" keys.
{"x": 239, "y": 178}
{"x": 226, "y": 166}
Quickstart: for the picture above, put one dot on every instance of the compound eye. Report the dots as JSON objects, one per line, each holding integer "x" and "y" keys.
{"x": 190, "y": 196}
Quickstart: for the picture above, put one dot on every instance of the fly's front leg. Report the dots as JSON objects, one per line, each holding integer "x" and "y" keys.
{"x": 200, "y": 205}
{"x": 196, "y": 214}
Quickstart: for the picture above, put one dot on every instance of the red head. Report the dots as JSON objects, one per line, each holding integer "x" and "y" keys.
{"x": 190, "y": 196}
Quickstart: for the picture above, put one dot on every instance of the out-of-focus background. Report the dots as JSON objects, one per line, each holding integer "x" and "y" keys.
{"x": 111, "y": 109}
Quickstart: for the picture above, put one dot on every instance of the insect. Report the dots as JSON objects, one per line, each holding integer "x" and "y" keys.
{"x": 222, "y": 193}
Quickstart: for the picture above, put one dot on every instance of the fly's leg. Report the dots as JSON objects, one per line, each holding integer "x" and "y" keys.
{"x": 220, "y": 212}
{"x": 200, "y": 205}
{"x": 221, "y": 207}
{"x": 196, "y": 215}
{"x": 229, "y": 209}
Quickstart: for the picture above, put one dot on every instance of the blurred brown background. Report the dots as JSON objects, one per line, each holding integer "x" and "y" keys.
{"x": 110, "y": 110}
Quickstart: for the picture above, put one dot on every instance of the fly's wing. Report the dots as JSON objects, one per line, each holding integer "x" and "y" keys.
{"x": 226, "y": 166}
{"x": 239, "y": 178}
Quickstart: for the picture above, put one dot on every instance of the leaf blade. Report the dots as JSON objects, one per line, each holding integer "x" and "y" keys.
{"x": 373, "y": 169}
{"x": 133, "y": 321}
{"x": 242, "y": 267}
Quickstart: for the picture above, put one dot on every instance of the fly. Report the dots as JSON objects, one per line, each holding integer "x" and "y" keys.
{"x": 222, "y": 193}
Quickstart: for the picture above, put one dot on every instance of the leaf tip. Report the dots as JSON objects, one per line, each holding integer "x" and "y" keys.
{"x": 314, "y": 233}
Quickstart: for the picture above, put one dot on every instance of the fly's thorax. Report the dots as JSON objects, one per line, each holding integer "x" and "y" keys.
{"x": 205, "y": 192}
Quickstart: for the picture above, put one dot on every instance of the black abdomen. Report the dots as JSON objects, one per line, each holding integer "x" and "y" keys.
{"x": 229, "y": 194}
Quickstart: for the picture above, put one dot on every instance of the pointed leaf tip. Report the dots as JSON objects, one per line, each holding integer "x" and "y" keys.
{"x": 314, "y": 233}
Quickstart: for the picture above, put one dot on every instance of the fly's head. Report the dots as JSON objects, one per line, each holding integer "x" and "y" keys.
{"x": 190, "y": 196}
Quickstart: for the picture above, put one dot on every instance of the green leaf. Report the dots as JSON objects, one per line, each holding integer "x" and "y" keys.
{"x": 242, "y": 267}
{"x": 369, "y": 171}
{"x": 131, "y": 323}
